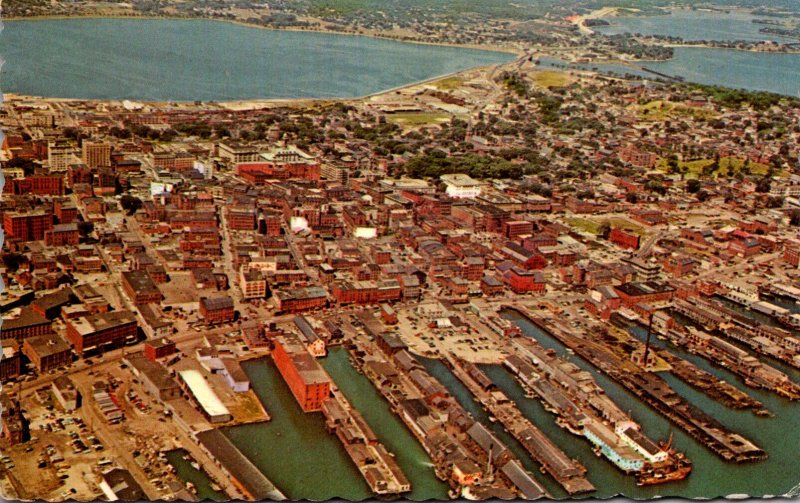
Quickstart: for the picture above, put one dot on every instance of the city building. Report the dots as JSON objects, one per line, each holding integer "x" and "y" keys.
{"x": 47, "y": 352}
{"x": 217, "y": 309}
{"x": 28, "y": 226}
{"x": 65, "y": 393}
{"x": 11, "y": 361}
{"x": 101, "y": 332}
{"x": 309, "y": 383}
{"x": 140, "y": 287}
{"x": 162, "y": 347}
{"x": 301, "y": 299}
{"x": 460, "y": 186}
{"x": 28, "y": 323}
{"x": 62, "y": 235}
{"x": 96, "y": 154}
{"x": 253, "y": 284}
{"x": 197, "y": 388}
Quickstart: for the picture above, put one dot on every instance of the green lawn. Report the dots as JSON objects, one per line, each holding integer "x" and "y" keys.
{"x": 695, "y": 168}
{"x": 411, "y": 119}
{"x": 592, "y": 225}
{"x": 449, "y": 83}
{"x": 661, "y": 110}
{"x": 551, "y": 78}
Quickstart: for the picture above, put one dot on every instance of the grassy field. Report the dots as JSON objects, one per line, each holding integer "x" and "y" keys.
{"x": 592, "y": 225}
{"x": 449, "y": 83}
{"x": 726, "y": 166}
{"x": 412, "y": 119}
{"x": 551, "y": 78}
{"x": 660, "y": 110}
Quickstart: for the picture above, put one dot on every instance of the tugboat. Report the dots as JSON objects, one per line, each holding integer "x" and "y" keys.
{"x": 676, "y": 467}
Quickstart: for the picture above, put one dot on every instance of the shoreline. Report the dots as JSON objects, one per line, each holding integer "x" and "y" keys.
{"x": 238, "y": 22}
{"x": 255, "y": 102}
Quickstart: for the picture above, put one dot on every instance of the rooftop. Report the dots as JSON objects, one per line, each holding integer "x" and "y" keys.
{"x": 103, "y": 321}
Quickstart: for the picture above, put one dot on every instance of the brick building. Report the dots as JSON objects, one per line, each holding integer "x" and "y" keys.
{"x": 366, "y": 292}
{"x": 47, "y": 352}
{"x": 159, "y": 348}
{"x": 29, "y": 226}
{"x": 791, "y": 252}
{"x": 241, "y": 218}
{"x": 301, "y": 299}
{"x": 308, "y": 382}
{"x": 217, "y": 309}
{"x": 624, "y": 239}
{"x": 101, "y": 332}
{"x": 140, "y": 287}
{"x": 62, "y": 235}
{"x": 11, "y": 362}
{"x": 29, "y": 323}
{"x": 523, "y": 281}
{"x": 644, "y": 293}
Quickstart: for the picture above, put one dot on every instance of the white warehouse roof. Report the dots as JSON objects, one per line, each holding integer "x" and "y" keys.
{"x": 205, "y": 396}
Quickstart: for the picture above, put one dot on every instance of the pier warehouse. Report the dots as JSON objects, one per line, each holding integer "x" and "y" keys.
{"x": 243, "y": 474}
{"x": 310, "y": 384}
{"x": 196, "y": 387}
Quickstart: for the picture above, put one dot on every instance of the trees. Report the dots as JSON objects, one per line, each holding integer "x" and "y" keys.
{"x": 436, "y": 162}
{"x": 794, "y": 218}
{"x": 693, "y": 186}
{"x": 764, "y": 185}
{"x": 130, "y": 203}
{"x": 604, "y": 230}
{"x": 656, "y": 186}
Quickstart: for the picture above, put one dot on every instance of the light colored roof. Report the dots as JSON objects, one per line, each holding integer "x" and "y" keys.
{"x": 459, "y": 180}
{"x": 203, "y": 393}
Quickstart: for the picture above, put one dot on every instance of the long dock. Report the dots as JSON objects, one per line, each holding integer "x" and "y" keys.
{"x": 652, "y": 390}
{"x": 569, "y": 473}
{"x": 376, "y": 464}
{"x": 457, "y": 439}
{"x": 706, "y": 382}
{"x": 762, "y": 339}
{"x": 585, "y": 410}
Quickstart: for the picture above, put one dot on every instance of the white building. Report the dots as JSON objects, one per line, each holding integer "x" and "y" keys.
{"x": 461, "y": 186}
{"x": 197, "y": 386}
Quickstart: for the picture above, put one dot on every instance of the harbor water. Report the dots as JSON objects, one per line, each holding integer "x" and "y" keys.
{"x": 200, "y": 479}
{"x": 711, "y": 476}
{"x": 391, "y": 431}
{"x": 694, "y": 25}
{"x": 303, "y": 460}
{"x": 188, "y": 60}
{"x": 294, "y": 450}
{"x": 754, "y": 71}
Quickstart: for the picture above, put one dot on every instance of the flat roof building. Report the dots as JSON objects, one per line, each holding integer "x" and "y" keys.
{"x": 101, "y": 332}
{"x": 309, "y": 383}
{"x": 47, "y": 352}
{"x": 197, "y": 387}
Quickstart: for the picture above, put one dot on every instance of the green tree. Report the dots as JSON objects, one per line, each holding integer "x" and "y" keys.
{"x": 604, "y": 230}
{"x": 693, "y": 186}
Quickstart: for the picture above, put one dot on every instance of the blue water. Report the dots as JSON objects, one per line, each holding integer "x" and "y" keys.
{"x": 187, "y": 60}
{"x": 755, "y": 71}
{"x": 711, "y": 477}
{"x": 693, "y": 25}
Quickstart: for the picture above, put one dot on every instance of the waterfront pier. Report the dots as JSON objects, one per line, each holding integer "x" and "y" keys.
{"x": 651, "y": 389}
{"x": 569, "y": 473}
